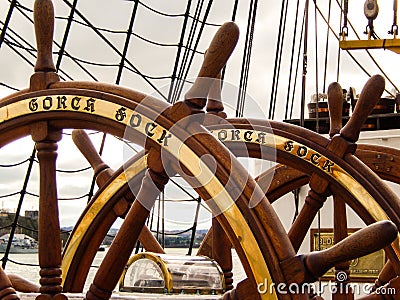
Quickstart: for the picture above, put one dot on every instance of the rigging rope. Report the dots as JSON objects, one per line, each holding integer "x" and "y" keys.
{"x": 178, "y": 53}
{"x": 10, "y": 194}
{"x": 18, "y": 211}
{"x": 244, "y": 75}
{"x": 316, "y": 68}
{"x": 395, "y": 29}
{"x": 14, "y": 164}
{"x": 127, "y": 40}
{"x": 202, "y": 25}
{"x": 9, "y": 86}
{"x": 19, "y": 7}
{"x": 326, "y": 46}
{"x": 292, "y": 60}
{"x": 339, "y": 52}
{"x": 66, "y": 34}
{"x": 233, "y": 18}
{"x": 15, "y": 45}
{"x": 366, "y": 50}
{"x": 7, "y": 21}
{"x": 194, "y": 227}
{"x": 345, "y": 31}
{"x": 304, "y": 73}
{"x": 278, "y": 58}
{"x": 114, "y": 48}
{"x": 188, "y": 46}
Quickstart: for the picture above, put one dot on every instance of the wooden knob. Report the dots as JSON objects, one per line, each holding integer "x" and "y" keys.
{"x": 44, "y": 26}
{"x": 7, "y": 292}
{"x": 84, "y": 144}
{"x": 215, "y": 59}
{"x": 23, "y": 285}
{"x": 335, "y": 105}
{"x": 369, "y": 97}
{"x": 214, "y": 101}
{"x": 360, "y": 243}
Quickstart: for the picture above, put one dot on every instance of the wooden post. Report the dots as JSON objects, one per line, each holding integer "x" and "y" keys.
{"x": 221, "y": 252}
{"x": 335, "y": 104}
{"x": 126, "y": 238}
{"x": 315, "y": 199}
{"x": 49, "y": 226}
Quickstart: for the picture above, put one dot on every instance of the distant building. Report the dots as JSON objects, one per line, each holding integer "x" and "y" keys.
{"x": 32, "y": 214}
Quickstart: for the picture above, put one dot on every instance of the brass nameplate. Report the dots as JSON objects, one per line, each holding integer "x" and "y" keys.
{"x": 363, "y": 269}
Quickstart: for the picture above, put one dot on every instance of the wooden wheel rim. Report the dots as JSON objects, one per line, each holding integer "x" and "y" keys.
{"x": 18, "y": 112}
{"x": 367, "y": 220}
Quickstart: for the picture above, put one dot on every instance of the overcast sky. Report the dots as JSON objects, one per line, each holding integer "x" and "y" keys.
{"x": 154, "y": 60}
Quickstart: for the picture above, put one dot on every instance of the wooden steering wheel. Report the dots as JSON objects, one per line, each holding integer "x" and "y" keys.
{"x": 289, "y": 134}
{"x": 239, "y": 204}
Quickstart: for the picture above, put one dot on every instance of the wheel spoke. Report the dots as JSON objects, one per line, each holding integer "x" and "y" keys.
{"x": 49, "y": 224}
{"x": 103, "y": 173}
{"x": 118, "y": 254}
{"x": 221, "y": 252}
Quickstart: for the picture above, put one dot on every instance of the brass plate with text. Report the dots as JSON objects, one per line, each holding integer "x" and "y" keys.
{"x": 363, "y": 269}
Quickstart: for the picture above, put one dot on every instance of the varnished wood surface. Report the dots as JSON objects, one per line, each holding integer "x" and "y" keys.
{"x": 221, "y": 252}
{"x": 360, "y": 243}
{"x": 44, "y": 27}
{"x": 215, "y": 58}
{"x": 370, "y": 95}
{"x": 269, "y": 235}
{"x": 335, "y": 105}
{"x": 103, "y": 173}
{"x": 124, "y": 242}
{"x": 23, "y": 285}
{"x": 7, "y": 291}
{"x": 49, "y": 225}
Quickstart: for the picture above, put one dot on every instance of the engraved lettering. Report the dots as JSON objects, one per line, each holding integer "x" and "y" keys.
{"x": 120, "y": 114}
{"x": 164, "y": 137}
{"x": 148, "y": 130}
{"x": 314, "y": 158}
{"x": 327, "y": 166}
{"x": 302, "y": 151}
{"x": 261, "y": 138}
{"x": 75, "y": 103}
{"x": 90, "y": 105}
{"x": 135, "y": 120}
{"x": 61, "y": 102}
{"x": 288, "y": 146}
{"x": 222, "y": 135}
{"x": 33, "y": 106}
{"x": 235, "y": 135}
{"x": 47, "y": 103}
{"x": 247, "y": 135}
